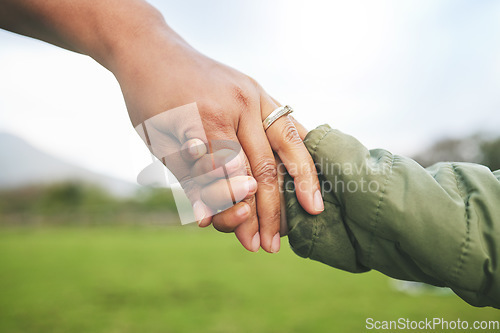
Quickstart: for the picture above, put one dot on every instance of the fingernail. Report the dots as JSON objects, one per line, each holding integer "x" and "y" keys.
{"x": 199, "y": 212}
{"x": 256, "y": 242}
{"x": 251, "y": 185}
{"x": 318, "y": 201}
{"x": 243, "y": 210}
{"x": 193, "y": 148}
{"x": 233, "y": 164}
{"x": 275, "y": 246}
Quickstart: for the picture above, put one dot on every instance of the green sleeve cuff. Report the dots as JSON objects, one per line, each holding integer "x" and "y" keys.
{"x": 439, "y": 225}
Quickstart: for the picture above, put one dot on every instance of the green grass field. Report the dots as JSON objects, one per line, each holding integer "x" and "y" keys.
{"x": 182, "y": 279}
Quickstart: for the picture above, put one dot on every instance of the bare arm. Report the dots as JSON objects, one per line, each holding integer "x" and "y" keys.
{"x": 158, "y": 71}
{"x": 98, "y": 28}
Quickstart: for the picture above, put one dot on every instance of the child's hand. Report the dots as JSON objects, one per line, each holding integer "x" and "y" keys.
{"x": 223, "y": 187}
{"x": 228, "y": 186}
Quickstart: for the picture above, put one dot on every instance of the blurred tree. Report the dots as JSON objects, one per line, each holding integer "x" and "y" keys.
{"x": 476, "y": 149}
{"x": 65, "y": 197}
{"x": 156, "y": 199}
{"x": 491, "y": 154}
{"x": 75, "y": 202}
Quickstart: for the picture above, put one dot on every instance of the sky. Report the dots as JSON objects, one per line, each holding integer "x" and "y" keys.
{"x": 395, "y": 74}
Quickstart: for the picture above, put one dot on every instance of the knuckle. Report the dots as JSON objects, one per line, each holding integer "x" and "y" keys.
{"x": 221, "y": 225}
{"x": 248, "y": 167}
{"x": 245, "y": 97}
{"x": 216, "y": 119}
{"x": 257, "y": 85}
{"x": 289, "y": 134}
{"x": 252, "y": 202}
{"x": 305, "y": 172}
{"x": 308, "y": 168}
{"x": 241, "y": 96}
{"x": 265, "y": 171}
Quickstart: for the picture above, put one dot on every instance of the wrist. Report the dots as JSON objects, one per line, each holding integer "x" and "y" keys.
{"x": 132, "y": 36}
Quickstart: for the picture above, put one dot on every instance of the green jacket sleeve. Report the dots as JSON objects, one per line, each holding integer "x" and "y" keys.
{"x": 439, "y": 225}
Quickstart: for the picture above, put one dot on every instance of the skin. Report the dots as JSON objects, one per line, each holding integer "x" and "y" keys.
{"x": 158, "y": 71}
{"x": 220, "y": 186}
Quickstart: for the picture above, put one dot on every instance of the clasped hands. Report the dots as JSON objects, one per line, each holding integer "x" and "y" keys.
{"x": 204, "y": 122}
{"x": 158, "y": 71}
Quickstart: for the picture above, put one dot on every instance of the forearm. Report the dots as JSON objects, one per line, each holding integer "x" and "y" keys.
{"x": 106, "y": 30}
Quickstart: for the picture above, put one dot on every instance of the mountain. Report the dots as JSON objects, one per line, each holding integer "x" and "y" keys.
{"x": 22, "y": 164}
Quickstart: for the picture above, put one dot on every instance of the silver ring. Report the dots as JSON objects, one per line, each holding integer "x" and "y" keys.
{"x": 276, "y": 114}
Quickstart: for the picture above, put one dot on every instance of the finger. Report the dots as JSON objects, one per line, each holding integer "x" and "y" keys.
{"x": 245, "y": 232}
{"x": 261, "y": 158}
{"x": 300, "y": 128}
{"x": 168, "y": 150}
{"x": 221, "y": 164}
{"x": 202, "y": 214}
{"x": 222, "y": 193}
{"x": 183, "y": 122}
{"x": 286, "y": 142}
{"x": 247, "y": 226}
{"x": 230, "y": 220}
{"x": 193, "y": 149}
{"x": 226, "y": 160}
{"x": 243, "y": 222}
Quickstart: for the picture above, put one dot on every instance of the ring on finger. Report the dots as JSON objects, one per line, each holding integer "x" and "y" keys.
{"x": 276, "y": 114}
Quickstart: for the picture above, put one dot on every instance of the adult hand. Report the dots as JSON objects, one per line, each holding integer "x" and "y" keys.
{"x": 217, "y": 189}
{"x": 165, "y": 72}
{"x": 159, "y": 71}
